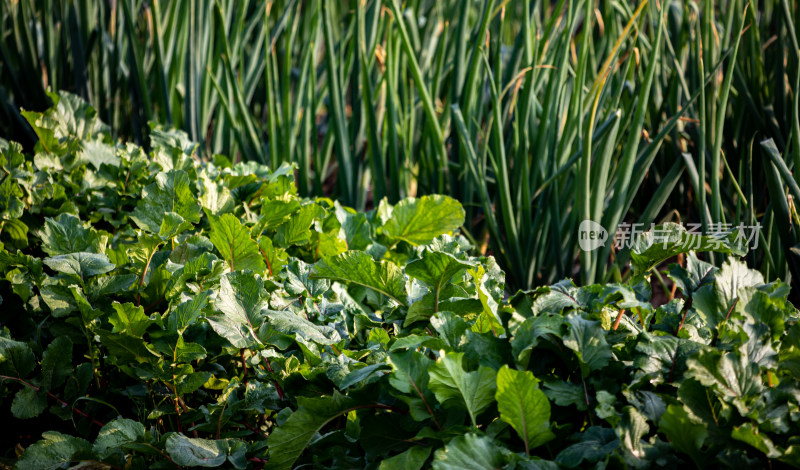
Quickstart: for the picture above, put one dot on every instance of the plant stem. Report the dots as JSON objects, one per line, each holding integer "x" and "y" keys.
{"x": 54, "y": 397}
{"x": 277, "y": 385}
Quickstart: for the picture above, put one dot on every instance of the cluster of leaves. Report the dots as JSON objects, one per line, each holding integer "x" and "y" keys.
{"x": 163, "y": 312}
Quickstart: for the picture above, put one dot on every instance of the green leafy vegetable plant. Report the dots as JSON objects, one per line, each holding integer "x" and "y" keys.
{"x": 164, "y": 311}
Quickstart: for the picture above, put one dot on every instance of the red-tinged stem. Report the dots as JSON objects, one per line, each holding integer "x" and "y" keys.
{"x": 259, "y": 463}
{"x": 674, "y": 360}
{"x": 421, "y": 395}
{"x": 253, "y": 429}
{"x": 266, "y": 260}
{"x": 219, "y": 421}
{"x": 177, "y": 406}
{"x": 149, "y": 307}
{"x": 735, "y": 301}
{"x": 277, "y": 386}
{"x": 685, "y": 313}
{"x": 186, "y": 410}
{"x": 59, "y": 400}
{"x": 617, "y": 320}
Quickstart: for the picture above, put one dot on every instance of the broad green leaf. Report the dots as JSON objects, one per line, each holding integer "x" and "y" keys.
{"x": 188, "y": 312}
{"x": 410, "y": 371}
{"x": 453, "y": 386}
{"x": 685, "y": 434}
{"x": 418, "y": 221}
{"x": 751, "y": 435}
{"x": 605, "y": 407}
{"x": 66, "y": 234}
{"x": 410, "y": 376}
{"x": 98, "y": 153}
{"x": 194, "y": 452}
{"x": 275, "y": 258}
{"x": 662, "y": 359}
{"x": 161, "y": 138}
{"x": 172, "y": 225}
{"x": 412, "y": 459}
{"x": 299, "y": 281}
{"x": 142, "y": 253}
{"x": 216, "y": 198}
{"x": 630, "y": 430}
{"x": 471, "y": 451}
{"x": 81, "y": 264}
{"x": 108, "y": 285}
{"x": 731, "y": 375}
{"x": 435, "y": 269}
{"x": 190, "y": 382}
{"x": 54, "y": 451}
{"x": 450, "y": 327}
{"x": 549, "y": 299}
{"x": 357, "y": 267}
{"x": 28, "y": 403}
{"x": 128, "y": 318}
{"x": 115, "y": 435}
{"x": 697, "y": 274}
{"x": 361, "y": 374}
{"x": 58, "y": 298}
{"x": 48, "y": 146}
{"x": 297, "y": 230}
{"x": 592, "y": 445}
{"x": 291, "y": 323}
{"x": 16, "y": 358}
{"x": 488, "y": 301}
{"x": 531, "y": 332}
{"x": 452, "y": 298}
{"x": 126, "y": 348}
{"x": 197, "y": 271}
{"x": 276, "y": 211}
{"x": 75, "y": 117}
{"x": 328, "y": 244}
{"x": 733, "y": 276}
{"x": 188, "y": 352}
{"x": 171, "y": 192}
{"x": 649, "y": 404}
{"x": 88, "y": 313}
{"x": 289, "y": 439}
{"x": 524, "y": 406}
{"x": 714, "y": 303}
{"x": 241, "y": 300}
{"x": 588, "y": 340}
{"x": 16, "y": 232}
{"x": 56, "y": 363}
{"x": 11, "y": 205}
{"x": 566, "y": 394}
{"x": 354, "y": 228}
{"x": 232, "y": 241}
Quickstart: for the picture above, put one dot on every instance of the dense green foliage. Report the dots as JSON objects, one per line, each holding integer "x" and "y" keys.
{"x": 160, "y": 311}
{"x": 550, "y": 112}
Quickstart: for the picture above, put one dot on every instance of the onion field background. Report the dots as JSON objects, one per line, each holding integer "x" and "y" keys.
{"x": 535, "y": 115}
